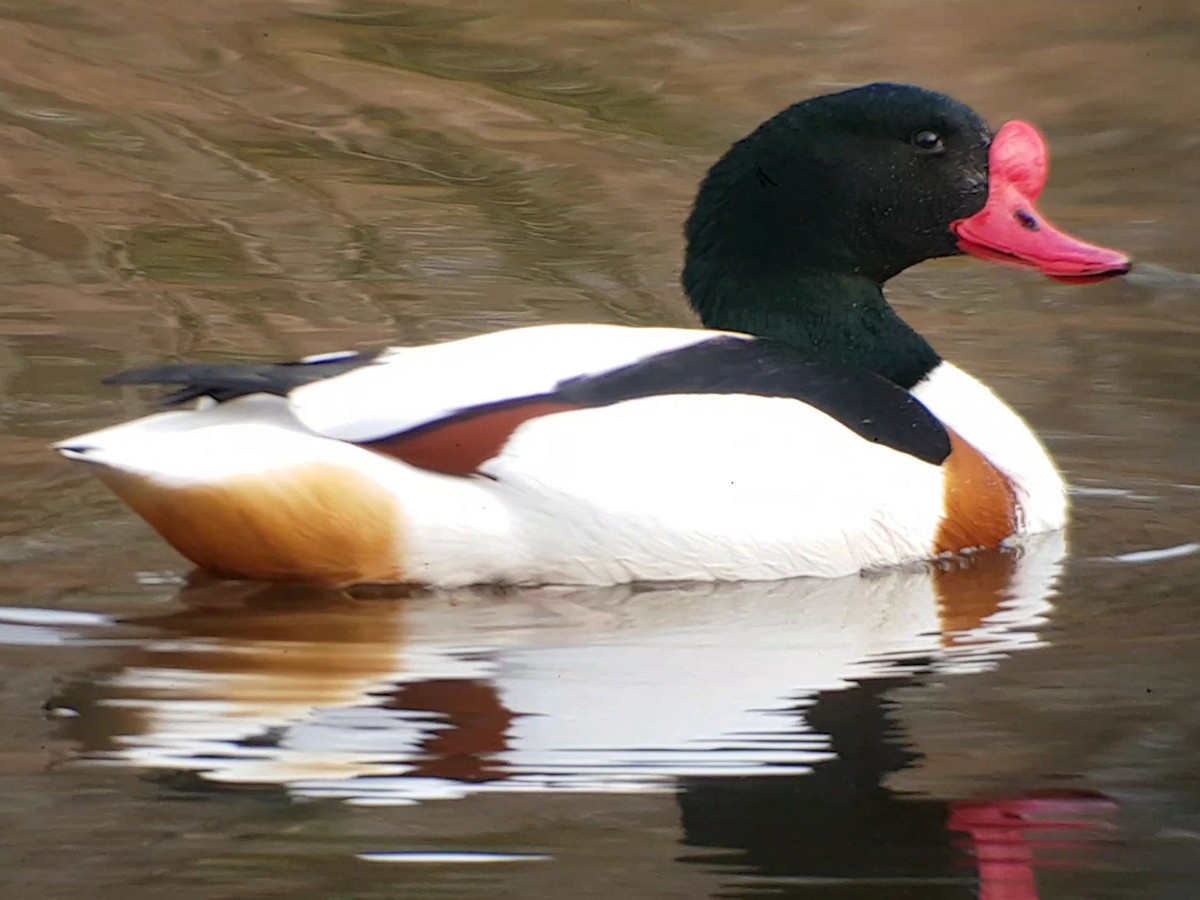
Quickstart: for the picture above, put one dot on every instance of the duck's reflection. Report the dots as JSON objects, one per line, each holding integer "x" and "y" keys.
{"x": 770, "y": 708}
{"x": 391, "y": 699}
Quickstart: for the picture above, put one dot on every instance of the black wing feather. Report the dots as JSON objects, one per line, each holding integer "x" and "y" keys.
{"x": 222, "y": 381}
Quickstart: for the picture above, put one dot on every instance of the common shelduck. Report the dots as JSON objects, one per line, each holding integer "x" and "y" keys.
{"x": 806, "y": 430}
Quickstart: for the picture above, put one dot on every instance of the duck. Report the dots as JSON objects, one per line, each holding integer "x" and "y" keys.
{"x": 805, "y": 429}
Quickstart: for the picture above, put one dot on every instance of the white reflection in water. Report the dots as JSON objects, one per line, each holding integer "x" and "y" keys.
{"x": 451, "y": 858}
{"x": 1157, "y": 555}
{"x": 609, "y": 689}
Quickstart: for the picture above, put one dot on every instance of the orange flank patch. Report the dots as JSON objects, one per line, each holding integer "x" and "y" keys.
{"x": 318, "y": 524}
{"x": 981, "y": 507}
{"x": 461, "y": 446}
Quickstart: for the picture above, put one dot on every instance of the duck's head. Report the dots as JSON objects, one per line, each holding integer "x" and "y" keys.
{"x": 865, "y": 183}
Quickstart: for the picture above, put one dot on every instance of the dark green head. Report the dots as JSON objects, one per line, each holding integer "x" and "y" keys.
{"x": 863, "y": 183}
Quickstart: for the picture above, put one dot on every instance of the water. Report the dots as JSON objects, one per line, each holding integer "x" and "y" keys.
{"x": 224, "y": 180}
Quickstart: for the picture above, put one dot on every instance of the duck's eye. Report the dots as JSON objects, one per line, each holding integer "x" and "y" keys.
{"x": 929, "y": 141}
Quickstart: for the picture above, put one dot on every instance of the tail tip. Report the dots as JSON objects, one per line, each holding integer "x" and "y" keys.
{"x": 73, "y": 450}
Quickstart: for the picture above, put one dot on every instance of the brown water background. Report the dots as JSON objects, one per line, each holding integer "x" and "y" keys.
{"x": 267, "y": 179}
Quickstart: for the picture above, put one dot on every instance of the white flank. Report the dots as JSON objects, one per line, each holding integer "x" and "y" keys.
{"x": 711, "y": 487}
{"x": 995, "y": 430}
{"x": 409, "y": 386}
{"x": 708, "y": 487}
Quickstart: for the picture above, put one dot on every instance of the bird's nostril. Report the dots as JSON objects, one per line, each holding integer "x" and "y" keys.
{"x": 1026, "y": 220}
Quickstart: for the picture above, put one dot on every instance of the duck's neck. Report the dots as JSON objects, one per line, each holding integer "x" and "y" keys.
{"x": 841, "y": 319}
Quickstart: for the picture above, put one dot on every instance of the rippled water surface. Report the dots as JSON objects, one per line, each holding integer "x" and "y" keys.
{"x": 260, "y": 179}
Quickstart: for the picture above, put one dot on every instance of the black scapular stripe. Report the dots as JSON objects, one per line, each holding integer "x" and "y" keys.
{"x": 222, "y": 381}
{"x": 866, "y": 403}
